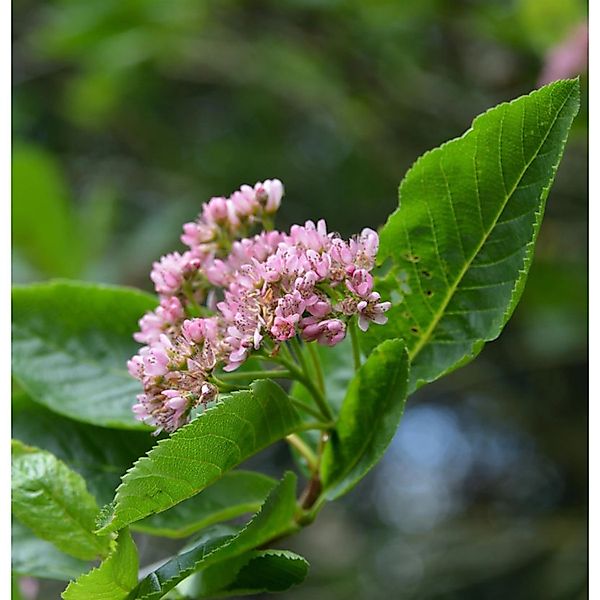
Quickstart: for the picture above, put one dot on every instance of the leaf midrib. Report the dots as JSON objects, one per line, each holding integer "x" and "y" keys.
{"x": 184, "y": 531}
{"x": 437, "y": 317}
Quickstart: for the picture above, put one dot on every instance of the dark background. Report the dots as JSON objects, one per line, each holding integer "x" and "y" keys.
{"x": 128, "y": 114}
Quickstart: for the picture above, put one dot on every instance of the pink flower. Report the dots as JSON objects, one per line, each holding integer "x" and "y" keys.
{"x": 140, "y": 410}
{"x": 284, "y": 328}
{"x": 244, "y": 202}
{"x": 153, "y": 324}
{"x": 360, "y": 282}
{"x": 208, "y": 392}
{"x": 269, "y": 193}
{"x": 372, "y": 310}
{"x": 310, "y": 236}
{"x": 364, "y": 248}
{"x": 194, "y": 330}
{"x": 175, "y": 409}
{"x": 217, "y": 273}
{"x": 170, "y": 310}
{"x": 196, "y": 234}
{"x": 168, "y": 274}
{"x": 318, "y": 307}
{"x": 341, "y": 253}
{"x": 328, "y": 332}
{"x": 135, "y": 366}
{"x": 156, "y": 362}
{"x": 290, "y": 305}
{"x": 175, "y": 400}
{"x": 215, "y": 211}
{"x": 305, "y": 285}
{"x": 239, "y": 347}
{"x": 569, "y": 58}
{"x": 269, "y": 286}
{"x": 319, "y": 263}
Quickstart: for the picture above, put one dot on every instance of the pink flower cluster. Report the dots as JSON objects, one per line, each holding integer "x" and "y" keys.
{"x": 221, "y": 222}
{"x": 257, "y": 292}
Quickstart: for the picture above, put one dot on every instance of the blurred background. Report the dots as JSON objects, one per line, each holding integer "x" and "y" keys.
{"x": 128, "y": 114}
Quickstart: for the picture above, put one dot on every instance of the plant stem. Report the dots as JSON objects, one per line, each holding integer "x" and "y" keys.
{"x": 306, "y": 408}
{"x": 293, "y": 372}
{"x": 304, "y": 450}
{"x": 310, "y": 386}
{"x": 223, "y": 386}
{"x": 309, "y": 496}
{"x": 284, "y": 349}
{"x": 273, "y": 374}
{"x": 323, "y": 426}
{"x": 355, "y": 346}
{"x": 268, "y": 223}
{"x": 311, "y": 499}
{"x": 314, "y": 355}
{"x": 299, "y": 353}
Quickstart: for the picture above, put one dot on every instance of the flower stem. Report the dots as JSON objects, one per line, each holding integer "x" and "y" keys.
{"x": 272, "y": 374}
{"x": 314, "y": 355}
{"x": 224, "y": 387}
{"x": 355, "y": 346}
{"x": 308, "y": 498}
{"x": 299, "y": 353}
{"x": 303, "y": 378}
{"x": 303, "y": 449}
{"x": 285, "y": 350}
{"x": 306, "y": 408}
{"x": 323, "y": 426}
{"x": 268, "y": 223}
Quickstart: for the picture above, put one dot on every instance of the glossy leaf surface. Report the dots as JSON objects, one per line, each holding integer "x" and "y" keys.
{"x": 113, "y": 579}
{"x": 71, "y": 342}
{"x": 52, "y": 500}
{"x": 275, "y": 518}
{"x": 200, "y": 453}
{"x": 368, "y": 418}
{"x": 235, "y": 494}
{"x": 458, "y": 248}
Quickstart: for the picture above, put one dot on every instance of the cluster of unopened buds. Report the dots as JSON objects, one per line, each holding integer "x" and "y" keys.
{"x": 231, "y": 296}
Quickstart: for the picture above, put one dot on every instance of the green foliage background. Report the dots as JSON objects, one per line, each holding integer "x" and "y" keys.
{"x": 129, "y": 114}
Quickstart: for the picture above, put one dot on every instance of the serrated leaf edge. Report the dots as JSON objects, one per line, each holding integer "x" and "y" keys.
{"x": 288, "y": 476}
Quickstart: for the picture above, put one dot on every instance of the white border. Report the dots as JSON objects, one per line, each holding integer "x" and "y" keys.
{"x": 5, "y": 279}
{"x": 594, "y": 299}
{"x": 594, "y": 292}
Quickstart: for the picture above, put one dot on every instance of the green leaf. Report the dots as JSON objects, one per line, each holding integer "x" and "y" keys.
{"x": 198, "y": 454}
{"x": 43, "y": 226}
{"x": 256, "y": 572}
{"x": 207, "y": 582}
{"x": 100, "y": 455}
{"x": 235, "y": 494}
{"x": 71, "y": 342}
{"x": 275, "y": 518}
{"x": 54, "y": 503}
{"x": 269, "y": 571}
{"x": 368, "y": 418}
{"x": 459, "y": 247}
{"x": 37, "y": 558}
{"x": 113, "y": 579}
